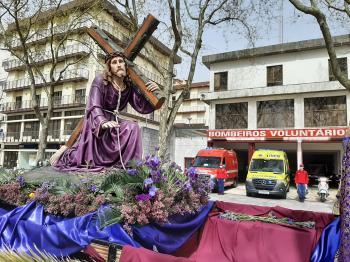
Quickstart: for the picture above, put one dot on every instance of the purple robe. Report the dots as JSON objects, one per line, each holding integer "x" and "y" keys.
{"x": 97, "y": 148}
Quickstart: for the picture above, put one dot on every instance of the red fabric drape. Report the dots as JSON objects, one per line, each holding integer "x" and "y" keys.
{"x": 244, "y": 241}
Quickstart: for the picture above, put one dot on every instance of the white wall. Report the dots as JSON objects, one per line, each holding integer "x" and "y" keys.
{"x": 187, "y": 147}
{"x": 298, "y": 67}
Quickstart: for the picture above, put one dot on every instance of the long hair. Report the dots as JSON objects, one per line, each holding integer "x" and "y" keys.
{"x": 107, "y": 72}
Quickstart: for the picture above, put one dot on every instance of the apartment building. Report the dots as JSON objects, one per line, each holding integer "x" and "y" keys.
{"x": 190, "y": 125}
{"x": 22, "y": 128}
{"x": 281, "y": 96}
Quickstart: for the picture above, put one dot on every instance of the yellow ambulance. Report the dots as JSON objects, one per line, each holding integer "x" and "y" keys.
{"x": 268, "y": 173}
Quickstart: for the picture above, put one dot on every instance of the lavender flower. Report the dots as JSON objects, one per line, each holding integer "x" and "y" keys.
{"x": 191, "y": 172}
{"x": 142, "y": 197}
{"x": 187, "y": 186}
{"x": 132, "y": 172}
{"x": 21, "y": 181}
{"x": 156, "y": 175}
{"x": 173, "y": 165}
{"x": 156, "y": 148}
{"x": 153, "y": 162}
{"x": 139, "y": 163}
{"x": 152, "y": 191}
{"x": 93, "y": 188}
{"x": 147, "y": 182}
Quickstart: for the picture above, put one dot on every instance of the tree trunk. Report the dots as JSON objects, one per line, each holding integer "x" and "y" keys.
{"x": 42, "y": 143}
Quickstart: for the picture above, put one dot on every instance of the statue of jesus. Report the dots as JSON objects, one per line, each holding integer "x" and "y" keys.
{"x": 106, "y": 140}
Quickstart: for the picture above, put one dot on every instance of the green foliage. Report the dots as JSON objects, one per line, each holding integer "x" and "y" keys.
{"x": 109, "y": 216}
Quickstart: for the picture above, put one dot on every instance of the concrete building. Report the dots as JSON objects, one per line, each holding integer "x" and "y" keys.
{"x": 190, "y": 125}
{"x": 280, "y": 97}
{"x": 23, "y": 128}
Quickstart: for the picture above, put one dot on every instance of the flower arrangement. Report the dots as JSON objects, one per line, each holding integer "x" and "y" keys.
{"x": 151, "y": 192}
{"x": 148, "y": 191}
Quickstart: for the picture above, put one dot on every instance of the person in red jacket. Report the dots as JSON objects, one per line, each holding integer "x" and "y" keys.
{"x": 301, "y": 181}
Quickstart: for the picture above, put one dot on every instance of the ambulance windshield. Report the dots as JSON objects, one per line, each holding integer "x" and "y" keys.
{"x": 267, "y": 165}
{"x": 207, "y": 161}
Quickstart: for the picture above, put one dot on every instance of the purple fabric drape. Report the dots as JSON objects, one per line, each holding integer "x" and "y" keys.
{"x": 97, "y": 148}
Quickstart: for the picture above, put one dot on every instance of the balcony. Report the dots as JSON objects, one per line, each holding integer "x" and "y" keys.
{"x": 42, "y": 34}
{"x": 45, "y": 56}
{"x": 80, "y": 74}
{"x": 190, "y": 109}
{"x": 59, "y": 102}
{"x": 154, "y": 77}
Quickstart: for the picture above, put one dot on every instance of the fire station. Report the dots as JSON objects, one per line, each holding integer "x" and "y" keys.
{"x": 282, "y": 97}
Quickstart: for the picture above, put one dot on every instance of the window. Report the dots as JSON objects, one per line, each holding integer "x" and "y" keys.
{"x": 343, "y": 65}
{"x": 31, "y": 129}
{"x": 56, "y": 114}
{"x": 30, "y": 116}
{"x": 18, "y": 104}
{"x": 325, "y": 111}
{"x": 54, "y": 128}
{"x": 231, "y": 116}
{"x": 79, "y": 96}
{"x": 220, "y": 81}
{"x": 74, "y": 113}
{"x": 57, "y": 98}
{"x": 13, "y": 130}
{"x": 274, "y": 75}
{"x": 10, "y": 159}
{"x": 16, "y": 117}
{"x": 275, "y": 113}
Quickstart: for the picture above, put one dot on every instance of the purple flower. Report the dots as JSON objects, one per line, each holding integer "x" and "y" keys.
{"x": 21, "y": 180}
{"x": 191, "y": 172}
{"x": 152, "y": 191}
{"x": 187, "y": 186}
{"x": 147, "y": 182}
{"x": 93, "y": 188}
{"x": 139, "y": 163}
{"x": 156, "y": 148}
{"x": 173, "y": 165}
{"x": 142, "y": 197}
{"x": 178, "y": 168}
{"x": 132, "y": 172}
{"x": 156, "y": 174}
{"x": 153, "y": 162}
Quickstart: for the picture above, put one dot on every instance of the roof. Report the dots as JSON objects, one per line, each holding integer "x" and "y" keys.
{"x": 291, "y": 47}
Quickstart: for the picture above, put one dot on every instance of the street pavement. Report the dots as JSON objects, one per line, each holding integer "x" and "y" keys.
{"x": 311, "y": 203}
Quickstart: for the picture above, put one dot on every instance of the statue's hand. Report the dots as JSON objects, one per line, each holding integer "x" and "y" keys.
{"x": 56, "y": 156}
{"x": 152, "y": 86}
{"x": 110, "y": 124}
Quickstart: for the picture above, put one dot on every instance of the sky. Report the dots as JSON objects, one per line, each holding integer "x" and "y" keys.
{"x": 296, "y": 27}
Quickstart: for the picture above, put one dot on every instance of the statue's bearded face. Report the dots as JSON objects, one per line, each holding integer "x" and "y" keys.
{"x": 118, "y": 66}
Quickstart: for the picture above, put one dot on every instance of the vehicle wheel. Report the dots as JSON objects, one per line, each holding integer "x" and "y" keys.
{"x": 323, "y": 197}
{"x": 284, "y": 196}
{"x": 248, "y": 194}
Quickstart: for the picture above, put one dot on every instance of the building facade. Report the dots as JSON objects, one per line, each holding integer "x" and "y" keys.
{"x": 22, "y": 128}
{"x": 190, "y": 125}
{"x": 280, "y": 97}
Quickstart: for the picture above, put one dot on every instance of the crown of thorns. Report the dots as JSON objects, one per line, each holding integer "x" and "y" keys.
{"x": 114, "y": 54}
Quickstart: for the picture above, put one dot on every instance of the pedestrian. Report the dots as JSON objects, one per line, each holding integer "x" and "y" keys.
{"x": 301, "y": 181}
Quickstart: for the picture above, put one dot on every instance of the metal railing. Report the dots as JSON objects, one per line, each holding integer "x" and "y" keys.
{"x": 44, "y": 56}
{"x": 61, "y": 101}
{"x": 72, "y": 74}
{"x": 190, "y": 122}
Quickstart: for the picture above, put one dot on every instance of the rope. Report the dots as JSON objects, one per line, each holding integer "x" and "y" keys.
{"x": 116, "y": 113}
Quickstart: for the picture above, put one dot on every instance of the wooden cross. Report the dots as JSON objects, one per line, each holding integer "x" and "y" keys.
{"x": 148, "y": 26}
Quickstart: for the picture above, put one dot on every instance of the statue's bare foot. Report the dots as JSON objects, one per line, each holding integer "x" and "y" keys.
{"x": 57, "y": 155}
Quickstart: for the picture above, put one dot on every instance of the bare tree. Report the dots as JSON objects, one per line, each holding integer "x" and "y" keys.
{"x": 24, "y": 21}
{"x": 322, "y": 11}
{"x": 188, "y": 24}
